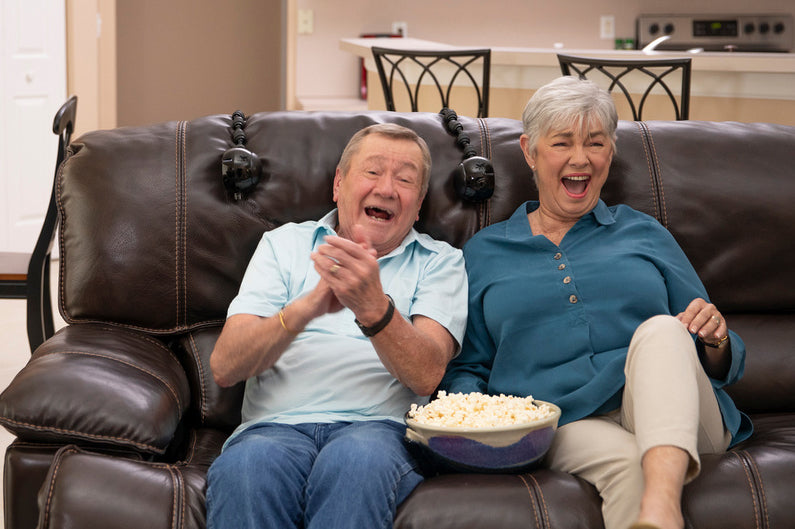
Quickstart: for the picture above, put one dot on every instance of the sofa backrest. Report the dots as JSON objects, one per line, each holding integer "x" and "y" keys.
{"x": 150, "y": 239}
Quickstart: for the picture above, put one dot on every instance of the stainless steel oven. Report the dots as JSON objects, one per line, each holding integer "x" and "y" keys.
{"x": 741, "y": 33}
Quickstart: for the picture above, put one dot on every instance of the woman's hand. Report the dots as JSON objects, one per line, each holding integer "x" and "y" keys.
{"x": 704, "y": 320}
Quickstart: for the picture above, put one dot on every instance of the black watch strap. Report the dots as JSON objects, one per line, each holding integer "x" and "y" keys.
{"x": 378, "y": 327}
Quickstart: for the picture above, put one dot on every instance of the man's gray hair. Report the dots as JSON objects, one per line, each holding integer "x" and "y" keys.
{"x": 393, "y": 131}
{"x": 569, "y": 102}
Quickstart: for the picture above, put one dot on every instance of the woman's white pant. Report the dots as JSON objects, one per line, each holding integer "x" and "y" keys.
{"x": 668, "y": 400}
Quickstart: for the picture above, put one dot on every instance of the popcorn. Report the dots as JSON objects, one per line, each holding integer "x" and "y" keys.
{"x": 476, "y": 410}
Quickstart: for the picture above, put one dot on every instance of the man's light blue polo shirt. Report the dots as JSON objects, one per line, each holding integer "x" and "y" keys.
{"x": 331, "y": 371}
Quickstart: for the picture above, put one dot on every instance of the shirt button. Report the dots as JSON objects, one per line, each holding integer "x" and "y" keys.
{"x": 567, "y": 280}
{"x": 558, "y": 255}
{"x": 572, "y": 299}
{"x": 561, "y": 266}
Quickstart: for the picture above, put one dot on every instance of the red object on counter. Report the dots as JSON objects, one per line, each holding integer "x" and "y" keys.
{"x": 363, "y": 73}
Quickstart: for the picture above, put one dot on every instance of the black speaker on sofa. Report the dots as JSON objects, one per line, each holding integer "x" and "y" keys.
{"x": 474, "y": 177}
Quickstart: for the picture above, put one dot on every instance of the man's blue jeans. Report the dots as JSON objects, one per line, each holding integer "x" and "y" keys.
{"x": 325, "y": 475}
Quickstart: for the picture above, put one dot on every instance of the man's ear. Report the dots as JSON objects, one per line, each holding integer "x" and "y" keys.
{"x": 336, "y": 186}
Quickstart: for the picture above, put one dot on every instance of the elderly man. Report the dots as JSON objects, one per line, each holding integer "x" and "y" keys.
{"x": 339, "y": 326}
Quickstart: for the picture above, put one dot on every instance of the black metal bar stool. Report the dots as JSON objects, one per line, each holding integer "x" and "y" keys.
{"x": 413, "y": 69}
{"x": 28, "y": 275}
{"x": 660, "y": 76}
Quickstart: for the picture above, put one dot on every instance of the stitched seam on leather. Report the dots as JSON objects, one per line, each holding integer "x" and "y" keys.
{"x": 648, "y": 167}
{"x": 749, "y": 480}
{"x": 760, "y": 488}
{"x": 91, "y": 436}
{"x": 487, "y": 153}
{"x": 176, "y": 222}
{"x": 173, "y": 497}
{"x": 179, "y": 497}
{"x": 105, "y": 326}
{"x": 180, "y": 236}
{"x": 540, "y": 497}
{"x": 757, "y": 487}
{"x": 485, "y": 142}
{"x": 152, "y": 330}
{"x": 532, "y": 497}
{"x": 55, "y": 471}
{"x": 194, "y": 350}
{"x": 157, "y": 343}
{"x": 62, "y": 242}
{"x": 165, "y": 382}
{"x": 184, "y": 221}
{"x": 658, "y": 172}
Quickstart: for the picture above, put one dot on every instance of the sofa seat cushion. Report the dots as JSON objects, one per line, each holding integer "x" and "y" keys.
{"x": 93, "y": 384}
{"x": 750, "y": 485}
{"x": 541, "y": 499}
{"x": 89, "y": 489}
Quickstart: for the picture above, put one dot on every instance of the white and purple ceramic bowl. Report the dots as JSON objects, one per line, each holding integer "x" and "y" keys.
{"x": 499, "y": 448}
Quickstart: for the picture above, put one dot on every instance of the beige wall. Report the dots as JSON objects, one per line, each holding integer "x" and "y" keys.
{"x": 91, "y": 62}
{"x": 178, "y": 59}
{"x": 181, "y": 59}
{"x": 475, "y": 23}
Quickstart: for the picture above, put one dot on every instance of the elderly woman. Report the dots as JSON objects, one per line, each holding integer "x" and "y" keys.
{"x": 597, "y": 309}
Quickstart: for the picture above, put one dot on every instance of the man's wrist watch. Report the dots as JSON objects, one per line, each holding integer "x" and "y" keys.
{"x": 378, "y": 327}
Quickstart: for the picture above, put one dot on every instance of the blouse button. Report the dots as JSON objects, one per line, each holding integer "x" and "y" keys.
{"x": 567, "y": 280}
{"x": 558, "y": 255}
{"x": 572, "y": 299}
{"x": 561, "y": 266}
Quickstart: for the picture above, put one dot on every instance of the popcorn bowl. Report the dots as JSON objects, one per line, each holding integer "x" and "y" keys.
{"x": 489, "y": 449}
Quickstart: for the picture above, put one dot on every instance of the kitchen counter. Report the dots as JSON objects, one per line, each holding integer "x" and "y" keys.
{"x": 724, "y": 86}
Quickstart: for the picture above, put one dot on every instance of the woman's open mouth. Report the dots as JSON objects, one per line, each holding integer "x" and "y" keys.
{"x": 576, "y": 186}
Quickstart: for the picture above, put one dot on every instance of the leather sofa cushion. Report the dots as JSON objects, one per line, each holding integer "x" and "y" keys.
{"x": 507, "y": 501}
{"x": 94, "y": 384}
{"x": 213, "y": 406}
{"x": 86, "y": 489}
{"x": 769, "y": 379}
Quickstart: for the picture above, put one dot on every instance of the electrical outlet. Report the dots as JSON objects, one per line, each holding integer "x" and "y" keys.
{"x": 400, "y": 28}
{"x": 306, "y": 21}
{"x": 607, "y": 27}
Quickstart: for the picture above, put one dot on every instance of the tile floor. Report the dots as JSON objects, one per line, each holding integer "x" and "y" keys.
{"x": 15, "y": 351}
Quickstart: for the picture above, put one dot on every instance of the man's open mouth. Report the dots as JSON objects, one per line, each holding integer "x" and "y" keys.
{"x": 576, "y": 185}
{"x": 378, "y": 213}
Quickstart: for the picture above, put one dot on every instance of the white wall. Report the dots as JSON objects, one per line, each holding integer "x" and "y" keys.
{"x": 322, "y": 70}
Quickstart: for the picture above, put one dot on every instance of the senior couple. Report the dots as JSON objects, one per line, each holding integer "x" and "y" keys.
{"x": 342, "y": 323}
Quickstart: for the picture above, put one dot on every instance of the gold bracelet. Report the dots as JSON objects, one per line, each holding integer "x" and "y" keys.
{"x": 715, "y": 345}
{"x": 284, "y": 325}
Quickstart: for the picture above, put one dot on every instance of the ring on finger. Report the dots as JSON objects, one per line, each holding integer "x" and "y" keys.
{"x": 334, "y": 268}
{"x": 717, "y": 319}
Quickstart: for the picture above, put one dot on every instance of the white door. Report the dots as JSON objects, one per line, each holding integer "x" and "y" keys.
{"x": 32, "y": 88}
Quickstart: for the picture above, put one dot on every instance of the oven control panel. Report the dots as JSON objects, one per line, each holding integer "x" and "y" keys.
{"x": 759, "y": 33}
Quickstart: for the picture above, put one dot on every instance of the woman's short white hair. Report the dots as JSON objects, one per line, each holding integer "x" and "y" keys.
{"x": 569, "y": 102}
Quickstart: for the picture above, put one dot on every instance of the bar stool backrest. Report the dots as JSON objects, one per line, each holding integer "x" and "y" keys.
{"x": 647, "y": 77}
{"x": 411, "y": 72}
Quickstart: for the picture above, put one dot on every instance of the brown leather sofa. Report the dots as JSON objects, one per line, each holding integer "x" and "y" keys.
{"x": 117, "y": 416}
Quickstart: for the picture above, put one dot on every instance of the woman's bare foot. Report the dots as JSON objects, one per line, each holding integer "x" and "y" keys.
{"x": 664, "y": 469}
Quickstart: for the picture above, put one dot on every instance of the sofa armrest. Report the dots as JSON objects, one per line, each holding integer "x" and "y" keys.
{"x": 98, "y": 385}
